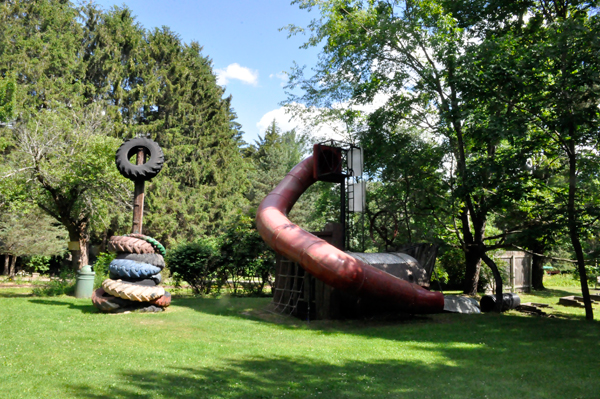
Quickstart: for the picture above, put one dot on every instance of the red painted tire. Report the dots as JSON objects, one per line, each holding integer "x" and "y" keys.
{"x": 108, "y": 303}
{"x": 164, "y": 301}
{"x": 130, "y": 245}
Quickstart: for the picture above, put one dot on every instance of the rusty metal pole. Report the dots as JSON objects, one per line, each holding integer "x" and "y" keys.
{"x": 138, "y": 197}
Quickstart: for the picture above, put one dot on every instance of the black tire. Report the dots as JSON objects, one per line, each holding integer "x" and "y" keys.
{"x": 145, "y": 171}
{"x": 110, "y": 304}
{"x": 148, "y": 282}
{"x": 107, "y": 303}
{"x": 152, "y": 259}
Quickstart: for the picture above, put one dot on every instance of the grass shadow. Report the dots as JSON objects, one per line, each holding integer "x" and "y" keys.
{"x": 521, "y": 326}
{"x": 14, "y": 293}
{"x": 553, "y": 292}
{"x": 477, "y": 370}
{"x": 83, "y": 308}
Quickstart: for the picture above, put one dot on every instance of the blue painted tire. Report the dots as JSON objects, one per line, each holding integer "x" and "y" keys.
{"x": 152, "y": 259}
{"x": 133, "y": 269}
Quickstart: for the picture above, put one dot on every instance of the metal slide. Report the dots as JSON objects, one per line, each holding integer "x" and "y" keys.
{"x": 326, "y": 262}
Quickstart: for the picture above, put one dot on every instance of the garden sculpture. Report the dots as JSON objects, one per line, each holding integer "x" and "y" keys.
{"x": 135, "y": 272}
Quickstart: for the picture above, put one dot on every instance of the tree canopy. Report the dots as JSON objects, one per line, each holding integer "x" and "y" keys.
{"x": 69, "y": 59}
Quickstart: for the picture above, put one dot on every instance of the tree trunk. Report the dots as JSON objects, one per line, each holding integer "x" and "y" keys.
{"x": 537, "y": 269}
{"x": 498, "y": 278}
{"x": 78, "y": 248}
{"x": 13, "y": 264}
{"x": 574, "y": 232}
{"x": 472, "y": 269}
{"x": 6, "y": 264}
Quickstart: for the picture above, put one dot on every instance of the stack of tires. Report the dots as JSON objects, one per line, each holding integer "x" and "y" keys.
{"x": 135, "y": 273}
{"x": 134, "y": 277}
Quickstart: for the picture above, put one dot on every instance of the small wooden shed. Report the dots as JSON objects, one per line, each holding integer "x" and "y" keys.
{"x": 518, "y": 269}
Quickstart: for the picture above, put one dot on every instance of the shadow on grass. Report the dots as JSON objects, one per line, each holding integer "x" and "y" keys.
{"x": 449, "y": 371}
{"x": 555, "y": 292}
{"x": 14, "y": 293}
{"x": 468, "y": 328}
{"x": 83, "y": 308}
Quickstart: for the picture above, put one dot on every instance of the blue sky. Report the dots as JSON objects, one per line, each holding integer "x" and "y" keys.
{"x": 242, "y": 38}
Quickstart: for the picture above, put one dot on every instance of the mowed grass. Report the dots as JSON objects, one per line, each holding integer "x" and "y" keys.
{"x": 232, "y": 348}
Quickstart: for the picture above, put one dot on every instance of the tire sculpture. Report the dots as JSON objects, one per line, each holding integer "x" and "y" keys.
{"x": 135, "y": 272}
{"x": 145, "y": 171}
{"x": 134, "y": 277}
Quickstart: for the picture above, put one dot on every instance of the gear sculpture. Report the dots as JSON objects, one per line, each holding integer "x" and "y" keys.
{"x": 135, "y": 272}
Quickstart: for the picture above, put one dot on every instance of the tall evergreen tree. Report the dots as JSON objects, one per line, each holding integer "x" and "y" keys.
{"x": 147, "y": 82}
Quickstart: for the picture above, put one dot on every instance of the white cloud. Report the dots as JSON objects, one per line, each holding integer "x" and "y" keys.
{"x": 286, "y": 122}
{"x": 237, "y": 72}
{"x": 281, "y": 76}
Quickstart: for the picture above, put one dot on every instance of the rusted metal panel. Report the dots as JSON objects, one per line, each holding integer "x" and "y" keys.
{"x": 397, "y": 264}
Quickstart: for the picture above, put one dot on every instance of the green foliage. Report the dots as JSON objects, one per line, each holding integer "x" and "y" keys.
{"x": 249, "y": 262}
{"x": 239, "y": 257}
{"x": 64, "y": 161}
{"x": 64, "y": 284}
{"x": 66, "y": 57}
{"x": 440, "y": 274}
{"x": 197, "y": 264}
{"x": 101, "y": 268}
{"x": 452, "y": 261}
{"x": 7, "y": 98}
{"x": 31, "y": 232}
{"x": 38, "y": 263}
{"x": 592, "y": 272}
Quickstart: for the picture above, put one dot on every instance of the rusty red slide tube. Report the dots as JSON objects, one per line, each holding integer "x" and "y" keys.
{"x": 326, "y": 262}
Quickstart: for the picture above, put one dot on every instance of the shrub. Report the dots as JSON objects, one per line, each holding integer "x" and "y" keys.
{"x": 198, "y": 264}
{"x": 248, "y": 261}
{"x": 63, "y": 285}
{"x": 452, "y": 261}
{"x": 38, "y": 263}
{"x": 101, "y": 268}
{"x": 591, "y": 272}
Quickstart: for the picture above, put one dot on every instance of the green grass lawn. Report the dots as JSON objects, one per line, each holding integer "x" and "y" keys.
{"x": 232, "y": 348}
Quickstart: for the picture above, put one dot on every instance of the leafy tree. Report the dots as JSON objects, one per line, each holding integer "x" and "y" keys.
{"x": 555, "y": 93}
{"x": 407, "y": 56}
{"x": 145, "y": 82}
{"x": 408, "y": 182}
{"x": 153, "y": 83}
{"x": 29, "y": 233}
{"x": 65, "y": 161}
{"x": 273, "y": 156}
{"x": 39, "y": 45}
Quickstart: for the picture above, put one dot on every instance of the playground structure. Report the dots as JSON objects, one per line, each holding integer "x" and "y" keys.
{"x": 327, "y": 263}
{"x": 135, "y": 273}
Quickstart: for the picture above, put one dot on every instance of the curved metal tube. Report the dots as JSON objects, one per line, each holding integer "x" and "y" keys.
{"x": 326, "y": 262}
